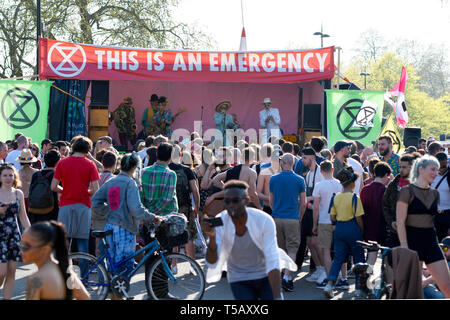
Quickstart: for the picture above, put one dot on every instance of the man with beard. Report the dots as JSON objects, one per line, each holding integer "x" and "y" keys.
{"x": 387, "y": 155}
{"x": 390, "y": 197}
{"x": 247, "y": 243}
{"x": 307, "y": 238}
{"x": 341, "y": 154}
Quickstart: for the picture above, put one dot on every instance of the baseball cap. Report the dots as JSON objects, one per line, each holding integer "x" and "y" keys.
{"x": 106, "y": 138}
{"x": 341, "y": 144}
{"x": 46, "y": 141}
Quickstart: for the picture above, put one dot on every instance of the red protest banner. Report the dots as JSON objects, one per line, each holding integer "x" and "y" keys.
{"x": 65, "y": 60}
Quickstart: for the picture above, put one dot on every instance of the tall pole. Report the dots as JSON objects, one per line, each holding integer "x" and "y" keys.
{"x": 38, "y": 32}
{"x": 321, "y": 35}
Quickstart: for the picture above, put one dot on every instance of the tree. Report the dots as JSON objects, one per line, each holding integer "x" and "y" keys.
{"x": 370, "y": 46}
{"x": 133, "y": 23}
{"x": 432, "y": 115}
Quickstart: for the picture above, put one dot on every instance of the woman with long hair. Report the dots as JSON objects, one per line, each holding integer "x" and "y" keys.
{"x": 45, "y": 244}
{"x": 12, "y": 206}
{"x": 416, "y": 207}
{"x": 35, "y": 150}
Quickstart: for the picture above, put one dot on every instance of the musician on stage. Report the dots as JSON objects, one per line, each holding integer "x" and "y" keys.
{"x": 147, "y": 118}
{"x": 269, "y": 119}
{"x": 223, "y": 120}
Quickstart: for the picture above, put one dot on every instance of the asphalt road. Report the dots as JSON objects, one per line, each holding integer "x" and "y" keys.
{"x": 303, "y": 290}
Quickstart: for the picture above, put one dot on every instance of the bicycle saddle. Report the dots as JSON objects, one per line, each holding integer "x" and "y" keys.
{"x": 101, "y": 234}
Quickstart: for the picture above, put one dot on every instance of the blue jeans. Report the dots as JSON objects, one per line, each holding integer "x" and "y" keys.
{"x": 258, "y": 289}
{"x": 431, "y": 292}
{"x": 345, "y": 236}
{"x": 83, "y": 246}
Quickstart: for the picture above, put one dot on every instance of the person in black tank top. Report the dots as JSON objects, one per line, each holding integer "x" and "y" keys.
{"x": 416, "y": 207}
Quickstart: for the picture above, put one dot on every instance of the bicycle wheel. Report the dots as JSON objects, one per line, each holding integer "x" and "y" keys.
{"x": 189, "y": 283}
{"x": 92, "y": 275}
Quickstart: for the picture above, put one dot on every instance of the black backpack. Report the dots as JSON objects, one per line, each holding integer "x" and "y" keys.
{"x": 40, "y": 198}
{"x": 182, "y": 187}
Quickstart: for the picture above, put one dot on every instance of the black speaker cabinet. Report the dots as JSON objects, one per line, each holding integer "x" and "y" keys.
{"x": 100, "y": 93}
{"x": 311, "y": 116}
{"x": 411, "y": 136}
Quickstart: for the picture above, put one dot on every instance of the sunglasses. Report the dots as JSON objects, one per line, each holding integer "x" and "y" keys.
{"x": 233, "y": 200}
{"x": 25, "y": 248}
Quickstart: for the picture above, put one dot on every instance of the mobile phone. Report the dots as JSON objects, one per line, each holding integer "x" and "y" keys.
{"x": 215, "y": 222}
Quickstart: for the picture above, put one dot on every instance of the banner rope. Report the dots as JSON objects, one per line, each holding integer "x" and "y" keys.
{"x": 68, "y": 93}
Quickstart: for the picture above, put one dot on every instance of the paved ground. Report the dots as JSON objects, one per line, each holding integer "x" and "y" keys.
{"x": 303, "y": 290}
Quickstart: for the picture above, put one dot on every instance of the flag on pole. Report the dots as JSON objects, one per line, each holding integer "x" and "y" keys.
{"x": 243, "y": 44}
{"x": 390, "y": 129}
{"x": 354, "y": 115}
{"x": 400, "y": 105}
{"x": 24, "y": 108}
{"x": 340, "y": 74}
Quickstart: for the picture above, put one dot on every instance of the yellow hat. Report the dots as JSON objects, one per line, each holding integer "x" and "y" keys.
{"x": 226, "y": 104}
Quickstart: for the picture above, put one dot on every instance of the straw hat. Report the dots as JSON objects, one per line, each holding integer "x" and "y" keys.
{"x": 26, "y": 157}
{"x": 226, "y": 104}
{"x": 266, "y": 100}
{"x": 128, "y": 100}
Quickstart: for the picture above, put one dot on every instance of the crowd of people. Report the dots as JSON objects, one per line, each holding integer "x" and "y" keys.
{"x": 279, "y": 204}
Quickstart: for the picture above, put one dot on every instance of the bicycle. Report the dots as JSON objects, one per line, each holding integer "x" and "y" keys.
{"x": 161, "y": 283}
{"x": 376, "y": 288}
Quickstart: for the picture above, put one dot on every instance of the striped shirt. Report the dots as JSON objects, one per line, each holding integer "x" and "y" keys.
{"x": 158, "y": 192}
{"x": 394, "y": 163}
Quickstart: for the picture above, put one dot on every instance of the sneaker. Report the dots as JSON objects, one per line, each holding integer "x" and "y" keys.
{"x": 314, "y": 276}
{"x": 287, "y": 285}
{"x": 322, "y": 285}
{"x": 328, "y": 290}
{"x": 322, "y": 277}
{"x": 342, "y": 284}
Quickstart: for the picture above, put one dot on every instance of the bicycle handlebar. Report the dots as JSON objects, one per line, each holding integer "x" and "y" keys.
{"x": 371, "y": 245}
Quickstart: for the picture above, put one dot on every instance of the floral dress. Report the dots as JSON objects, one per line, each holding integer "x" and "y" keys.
{"x": 10, "y": 234}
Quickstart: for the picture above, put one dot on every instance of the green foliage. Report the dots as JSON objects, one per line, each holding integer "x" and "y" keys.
{"x": 432, "y": 115}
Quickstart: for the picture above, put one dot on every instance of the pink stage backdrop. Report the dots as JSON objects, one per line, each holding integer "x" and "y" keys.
{"x": 245, "y": 100}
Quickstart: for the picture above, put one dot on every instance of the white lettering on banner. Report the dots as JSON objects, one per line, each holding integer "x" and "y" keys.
{"x": 305, "y": 62}
{"x": 179, "y": 62}
{"x": 281, "y": 61}
{"x": 253, "y": 61}
{"x": 213, "y": 61}
{"x": 99, "y": 54}
{"x": 295, "y": 62}
{"x": 135, "y": 65}
{"x": 110, "y": 60}
{"x": 268, "y": 66}
{"x": 160, "y": 64}
{"x": 242, "y": 62}
{"x": 321, "y": 59}
{"x": 195, "y": 61}
{"x": 228, "y": 62}
{"x": 149, "y": 61}
{"x": 124, "y": 60}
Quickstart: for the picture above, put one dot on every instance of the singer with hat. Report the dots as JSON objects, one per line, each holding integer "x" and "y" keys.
{"x": 269, "y": 119}
{"x": 223, "y": 120}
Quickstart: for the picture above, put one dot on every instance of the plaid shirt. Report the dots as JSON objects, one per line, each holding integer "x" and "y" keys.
{"x": 394, "y": 163}
{"x": 158, "y": 192}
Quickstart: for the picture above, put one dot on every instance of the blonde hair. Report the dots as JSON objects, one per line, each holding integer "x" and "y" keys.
{"x": 423, "y": 162}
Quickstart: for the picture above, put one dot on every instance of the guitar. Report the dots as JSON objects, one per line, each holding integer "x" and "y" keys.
{"x": 164, "y": 124}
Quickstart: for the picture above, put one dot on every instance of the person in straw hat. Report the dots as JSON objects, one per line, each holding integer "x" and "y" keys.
{"x": 269, "y": 119}
{"x": 125, "y": 121}
{"x": 26, "y": 159}
{"x": 223, "y": 120}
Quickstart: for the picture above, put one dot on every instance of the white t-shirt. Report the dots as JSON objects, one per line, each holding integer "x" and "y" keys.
{"x": 325, "y": 190}
{"x": 11, "y": 158}
{"x": 309, "y": 179}
{"x": 444, "y": 193}
{"x": 357, "y": 167}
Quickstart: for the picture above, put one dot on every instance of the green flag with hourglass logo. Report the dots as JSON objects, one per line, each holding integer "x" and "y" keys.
{"x": 354, "y": 115}
{"x": 24, "y": 108}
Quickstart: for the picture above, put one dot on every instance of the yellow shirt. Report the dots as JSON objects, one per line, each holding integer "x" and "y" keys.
{"x": 343, "y": 209}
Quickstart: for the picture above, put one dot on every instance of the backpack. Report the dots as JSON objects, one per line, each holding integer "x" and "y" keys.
{"x": 40, "y": 198}
{"x": 447, "y": 174}
{"x": 182, "y": 188}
